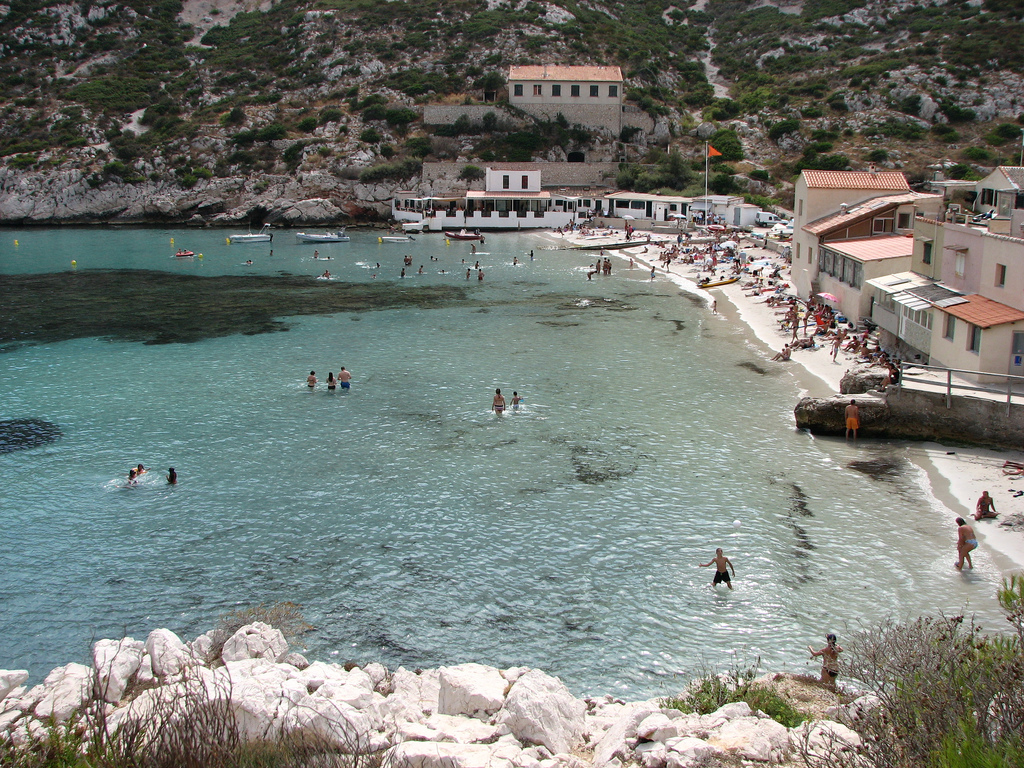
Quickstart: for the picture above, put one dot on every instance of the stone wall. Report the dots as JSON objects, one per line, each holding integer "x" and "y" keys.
{"x": 917, "y": 415}
{"x": 446, "y": 114}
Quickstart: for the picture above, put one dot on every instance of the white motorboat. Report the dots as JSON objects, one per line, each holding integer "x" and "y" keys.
{"x": 327, "y": 237}
{"x": 395, "y": 239}
{"x": 412, "y": 226}
{"x": 263, "y": 236}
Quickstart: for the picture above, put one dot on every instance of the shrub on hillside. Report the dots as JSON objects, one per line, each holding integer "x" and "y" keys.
{"x": 783, "y": 127}
{"x": 398, "y": 170}
{"x": 472, "y": 173}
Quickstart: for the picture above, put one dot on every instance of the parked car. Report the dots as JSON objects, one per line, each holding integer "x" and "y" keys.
{"x": 782, "y": 229}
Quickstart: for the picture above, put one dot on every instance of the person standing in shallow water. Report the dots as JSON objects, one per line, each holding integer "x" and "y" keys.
{"x": 332, "y": 383}
{"x": 722, "y": 564}
{"x": 829, "y": 660}
{"x": 344, "y": 378}
{"x": 498, "y": 404}
{"x": 311, "y": 380}
{"x": 852, "y": 419}
{"x": 966, "y": 542}
{"x": 172, "y": 477}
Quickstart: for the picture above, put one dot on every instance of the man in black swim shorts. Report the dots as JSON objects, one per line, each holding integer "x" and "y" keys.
{"x": 722, "y": 564}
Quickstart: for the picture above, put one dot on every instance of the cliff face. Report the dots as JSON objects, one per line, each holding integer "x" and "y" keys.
{"x": 68, "y": 197}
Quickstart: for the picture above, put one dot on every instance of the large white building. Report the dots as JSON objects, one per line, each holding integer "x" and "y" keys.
{"x": 590, "y": 96}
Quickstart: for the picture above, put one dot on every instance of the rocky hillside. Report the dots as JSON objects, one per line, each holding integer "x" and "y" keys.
{"x": 163, "y": 110}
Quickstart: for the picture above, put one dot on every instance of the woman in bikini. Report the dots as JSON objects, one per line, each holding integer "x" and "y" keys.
{"x": 966, "y": 542}
{"x": 498, "y": 406}
{"x": 829, "y": 660}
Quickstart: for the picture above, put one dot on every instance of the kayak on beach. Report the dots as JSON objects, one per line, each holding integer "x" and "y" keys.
{"x": 717, "y": 283}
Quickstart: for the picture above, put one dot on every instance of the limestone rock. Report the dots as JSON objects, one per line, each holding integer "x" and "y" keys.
{"x": 822, "y": 738}
{"x": 66, "y": 690}
{"x": 612, "y": 745}
{"x": 349, "y": 730}
{"x": 705, "y": 131}
{"x": 863, "y": 379}
{"x": 167, "y": 653}
{"x": 470, "y": 689}
{"x": 688, "y": 752}
{"x": 826, "y": 416}
{"x": 753, "y": 738}
{"x": 540, "y": 709}
{"x": 297, "y": 660}
{"x": 255, "y": 641}
{"x": 422, "y": 754}
{"x": 11, "y": 679}
{"x": 203, "y": 647}
{"x": 116, "y": 662}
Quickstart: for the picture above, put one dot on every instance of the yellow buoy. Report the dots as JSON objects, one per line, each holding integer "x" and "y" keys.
{"x": 200, "y": 255}
{"x": 172, "y": 241}
{"x": 380, "y": 240}
{"x": 447, "y": 241}
{"x": 227, "y": 240}
{"x": 74, "y": 263}
{"x": 15, "y": 242}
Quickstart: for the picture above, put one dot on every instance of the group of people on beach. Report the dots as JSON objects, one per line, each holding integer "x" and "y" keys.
{"x": 343, "y": 380}
{"x": 966, "y": 539}
{"x": 138, "y": 471}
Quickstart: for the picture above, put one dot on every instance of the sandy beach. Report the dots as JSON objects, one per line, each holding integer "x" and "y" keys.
{"x": 956, "y": 475}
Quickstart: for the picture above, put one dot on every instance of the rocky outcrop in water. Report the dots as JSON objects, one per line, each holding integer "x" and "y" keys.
{"x": 917, "y": 415}
{"x": 863, "y": 379}
{"x": 317, "y": 198}
{"x": 21, "y": 434}
{"x": 463, "y": 716}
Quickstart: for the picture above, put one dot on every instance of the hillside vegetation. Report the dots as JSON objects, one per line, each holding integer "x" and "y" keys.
{"x": 117, "y": 90}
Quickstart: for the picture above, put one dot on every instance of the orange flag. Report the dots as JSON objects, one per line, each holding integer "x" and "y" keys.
{"x": 712, "y": 152}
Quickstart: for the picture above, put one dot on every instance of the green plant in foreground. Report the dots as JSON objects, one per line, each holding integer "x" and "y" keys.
{"x": 712, "y": 691}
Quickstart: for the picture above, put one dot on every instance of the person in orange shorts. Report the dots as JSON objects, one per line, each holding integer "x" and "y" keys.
{"x": 852, "y": 419}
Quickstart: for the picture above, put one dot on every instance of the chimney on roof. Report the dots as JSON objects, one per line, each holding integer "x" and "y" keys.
{"x": 843, "y": 208}
{"x": 872, "y": 168}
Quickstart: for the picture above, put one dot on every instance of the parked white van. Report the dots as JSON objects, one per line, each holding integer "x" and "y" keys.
{"x": 766, "y": 219}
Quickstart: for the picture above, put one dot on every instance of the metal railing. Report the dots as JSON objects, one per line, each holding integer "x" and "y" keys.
{"x": 1006, "y": 379}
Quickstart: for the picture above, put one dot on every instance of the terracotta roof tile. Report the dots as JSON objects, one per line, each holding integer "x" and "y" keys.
{"x": 874, "y": 248}
{"x": 558, "y": 72}
{"x": 984, "y": 312}
{"x": 886, "y": 180}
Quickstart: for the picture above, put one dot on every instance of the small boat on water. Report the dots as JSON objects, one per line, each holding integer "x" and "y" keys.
{"x": 395, "y": 239}
{"x": 263, "y": 236}
{"x": 464, "y": 235}
{"x": 716, "y": 283}
{"x": 327, "y": 237}
{"x": 184, "y": 254}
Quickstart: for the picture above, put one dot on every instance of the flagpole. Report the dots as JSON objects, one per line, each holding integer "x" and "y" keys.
{"x": 706, "y": 159}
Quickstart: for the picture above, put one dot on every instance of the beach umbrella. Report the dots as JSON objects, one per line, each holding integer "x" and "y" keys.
{"x": 828, "y": 297}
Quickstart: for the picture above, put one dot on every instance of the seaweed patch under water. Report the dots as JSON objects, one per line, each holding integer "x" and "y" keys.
{"x": 752, "y": 367}
{"x": 163, "y": 308}
{"x": 22, "y": 434}
{"x": 884, "y": 468}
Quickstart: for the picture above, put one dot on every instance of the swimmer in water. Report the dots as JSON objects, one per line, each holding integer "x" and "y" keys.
{"x": 172, "y": 477}
{"x": 480, "y": 275}
{"x": 498, "y": 405}
{"x": 311, "y": 380}
{"x": 132, "y": 477}
{"x": 249, "y": 262}
{"x": 332, "y": 383}
{"x": 345, "y": 378}
{"x": 420, "y": 272}
{"x": 516, "y": 400}
{"x": 140, "y": 471}
{"x": 316, "y": 254}
{"x": 515, "y": 261}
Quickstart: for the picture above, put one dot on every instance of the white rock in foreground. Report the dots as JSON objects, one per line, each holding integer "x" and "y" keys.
{"x": 471, "y": 689}
{"x": 166, "y": 652}
{"x": 255, "y": 641}
{"x": 66, "y": 689}
{"x": 11, "y": 679}
{"x": 115, "y": 662}
{"x": 539, "y": 709}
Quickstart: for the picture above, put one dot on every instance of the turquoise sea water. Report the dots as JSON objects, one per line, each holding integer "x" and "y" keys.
{"x": 416, "y": 527}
